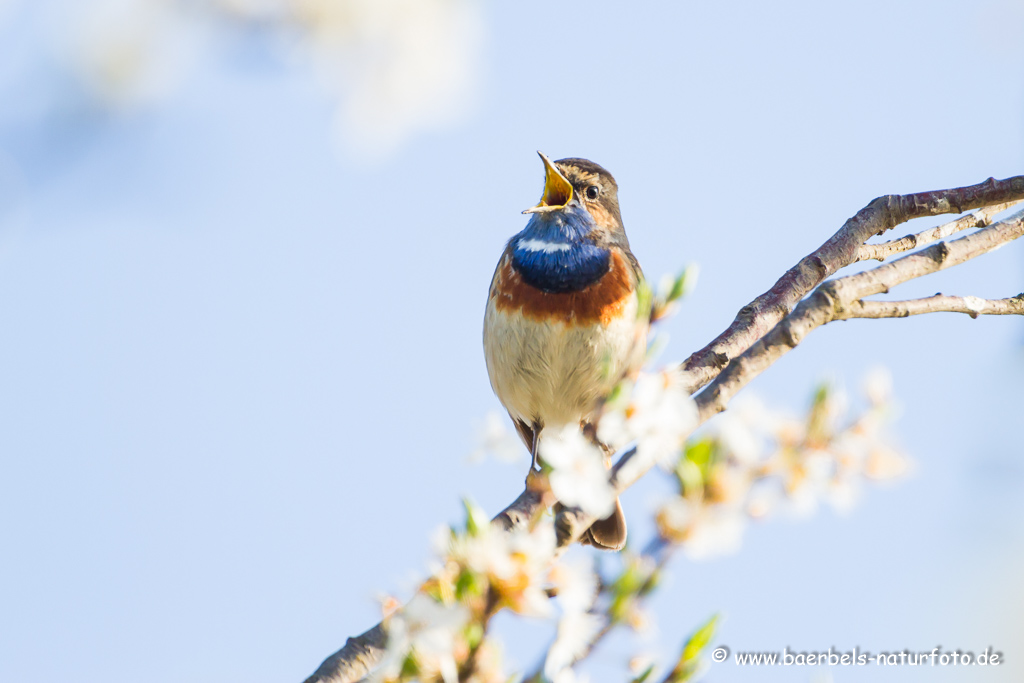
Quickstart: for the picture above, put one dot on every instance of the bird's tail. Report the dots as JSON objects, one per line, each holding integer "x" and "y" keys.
{"x": 608, "y": 533}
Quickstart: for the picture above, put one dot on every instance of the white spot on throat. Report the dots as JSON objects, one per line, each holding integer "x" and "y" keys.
{"x": 540, "y": 245}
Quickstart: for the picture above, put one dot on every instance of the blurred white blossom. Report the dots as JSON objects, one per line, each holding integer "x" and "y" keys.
{"x": 578, "y": 475}
{"x": 395, "y": 67}
{"x": 755, "y": 462}
{"x": 577, "y": 588}
{"x": 131, "y": 53}
{"x": 514, "y": 565}
{"x": 878, "y": 385}
{"x": 576, "y": 585}
{"x": 425, "y": 630}
{"x": 743, "y": 430}
{"x": 658, "y": 415}
{"x": 398, "y": 66}
{"x": 494, "y": 438}
{"x": 708, "y": 530}
{"x": 576, "y": 630}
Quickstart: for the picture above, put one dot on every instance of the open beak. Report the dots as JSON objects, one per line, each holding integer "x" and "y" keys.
{"x": 557, "y": 190}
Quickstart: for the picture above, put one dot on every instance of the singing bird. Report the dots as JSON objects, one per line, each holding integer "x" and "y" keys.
{"x": 563, "y": 324}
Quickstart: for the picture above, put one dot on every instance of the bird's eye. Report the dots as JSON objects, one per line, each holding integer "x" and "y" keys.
{"x": 593, "y": 192}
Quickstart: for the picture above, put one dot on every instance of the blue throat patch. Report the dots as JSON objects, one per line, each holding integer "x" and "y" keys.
{"x": 556, "y": 254}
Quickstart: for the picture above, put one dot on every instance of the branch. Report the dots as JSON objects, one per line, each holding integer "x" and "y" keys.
{"x": 763, "y": 313}
{"x": 526, "y": 508}
{"x": 755, "y": 340}
{"x": 832, "y": 300}
{"x": 971, "y": 305}
{"x": 355, "y": 660}
{"x": 981, "y": 219}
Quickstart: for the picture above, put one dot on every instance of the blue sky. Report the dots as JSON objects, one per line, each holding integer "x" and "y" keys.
{"x": 240, "y": 369}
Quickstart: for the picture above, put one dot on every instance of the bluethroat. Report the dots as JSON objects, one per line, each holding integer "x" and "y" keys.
{"x": 563, "y": 324}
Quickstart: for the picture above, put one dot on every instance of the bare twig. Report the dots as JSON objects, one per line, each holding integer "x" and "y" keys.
{"x": 842, "y": 249}
{"x": 980, "y": 219}
{"x": 971, "y": 305}
{"x": 830, "y": 301}
{"x": 936, "y": 257}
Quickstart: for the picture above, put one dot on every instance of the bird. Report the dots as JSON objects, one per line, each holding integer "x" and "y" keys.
{"x": 563, "y": 323}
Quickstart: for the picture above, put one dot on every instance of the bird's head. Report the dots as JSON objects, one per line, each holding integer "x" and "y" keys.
{"x": 574, "y": 186}
{"x": 567, "y": 244}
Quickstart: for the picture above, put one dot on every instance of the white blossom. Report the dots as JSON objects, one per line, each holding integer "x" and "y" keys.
{"x": 426, "y": 629}
{"x": 658, "y": 417}
{"x": 578, "y": 476}
{"x": 133, "y": 52}
{"x": 718, "y": 531}
{"x": 494, "y": 438}
{"x": 746, "y": 429}
{"x": 395, "y": 67}
{"x": 576, "y": 583}
{"x": 764, "y": 497}
{"x": 515, "y": 563}
{"x": 398, "y": 66}
{"x": 878, "y": 385}
{"x": 576, "y": 631}
{"x": 663, "y": 415}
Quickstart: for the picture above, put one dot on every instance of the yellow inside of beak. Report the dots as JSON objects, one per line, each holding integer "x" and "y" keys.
{"x": 557, "y": 190}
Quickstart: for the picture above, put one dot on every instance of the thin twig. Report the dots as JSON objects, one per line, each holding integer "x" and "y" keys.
{"x": 980, "y": 219}
{"x": 830, "y": 301}
{"x": 932, "y": 259}
{"x": 760, "y": 315}
{"x": 971, "y": 305}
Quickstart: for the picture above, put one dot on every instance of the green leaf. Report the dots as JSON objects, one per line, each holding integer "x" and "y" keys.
{"x": 678, "y": 287}
{"x": 684, "y": 283}
{"x": 474, "y": 634}
{"x": 644, "y": 676}
{"x": 701, "y": 452}
{"x": 627, "y": 586}
{"x": 690, "y": 664}
{"x": 650, "y": 583}
{"x": 817, "y": 417}
{"x": 689, "y": 475}
{"x": 645, "y": 299}
{"x": 476, "y": 519}
{"x": 694, "y": 469}
{"x": 469, "y": 584}
{"x": 700, "y": 639}
{"x": 410, "y": 669}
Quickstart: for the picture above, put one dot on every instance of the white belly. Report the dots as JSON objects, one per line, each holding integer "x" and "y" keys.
{"x": 554, "y": 373}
